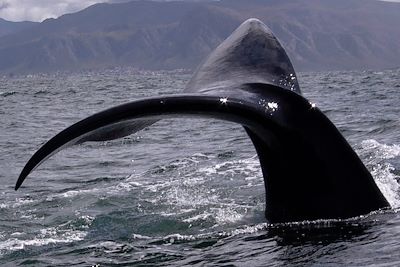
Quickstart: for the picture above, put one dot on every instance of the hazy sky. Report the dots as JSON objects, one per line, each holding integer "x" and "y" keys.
{"x": 38, "y": 10}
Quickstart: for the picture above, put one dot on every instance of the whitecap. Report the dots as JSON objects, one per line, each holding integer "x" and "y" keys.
{"x": 51, "y": 235}
{"x": 383, "y": 171}
{"x": 138, "y": 236}
{"x": 381, "y": 151}
{"x": 14, "y": 244}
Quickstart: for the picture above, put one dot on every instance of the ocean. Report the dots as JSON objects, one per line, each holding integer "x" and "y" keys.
{"x": 183, "y": 192}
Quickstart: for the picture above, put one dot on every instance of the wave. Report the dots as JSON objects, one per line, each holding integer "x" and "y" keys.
{"x": 376, "y": 156}
{"x": 69, "y": 232}
{"x": 6, "y": 94}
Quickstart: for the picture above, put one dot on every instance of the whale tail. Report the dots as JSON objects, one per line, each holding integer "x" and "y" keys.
{"x": 310, "y": 171}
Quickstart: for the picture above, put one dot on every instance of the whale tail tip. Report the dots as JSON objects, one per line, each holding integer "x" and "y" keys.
{"x": 250, "y": 54}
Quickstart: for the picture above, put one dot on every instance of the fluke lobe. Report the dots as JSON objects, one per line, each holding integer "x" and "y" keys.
{"x": 310, "y": 171}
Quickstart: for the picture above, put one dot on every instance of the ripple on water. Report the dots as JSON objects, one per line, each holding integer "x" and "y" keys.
{"x": 184, "y": 192}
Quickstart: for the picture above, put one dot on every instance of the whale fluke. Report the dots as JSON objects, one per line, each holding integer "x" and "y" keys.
{"x": 251, "y": 54}
{"x": 310, "y": 171}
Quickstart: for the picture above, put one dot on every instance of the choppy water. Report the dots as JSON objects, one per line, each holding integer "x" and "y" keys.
{"x": 183, "y": 192}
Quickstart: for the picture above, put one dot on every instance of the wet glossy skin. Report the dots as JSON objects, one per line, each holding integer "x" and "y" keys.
{"x": 310, "y": 171}
{"x": 252, "y": 54}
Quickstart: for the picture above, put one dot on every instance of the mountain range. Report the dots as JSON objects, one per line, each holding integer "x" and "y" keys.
{"x": 8, "y": 27}
{"x": 317, "y": 34}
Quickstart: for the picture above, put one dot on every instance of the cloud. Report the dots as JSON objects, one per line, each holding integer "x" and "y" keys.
{"x": 3, "y": 5}
{"x": 38, "y": 10}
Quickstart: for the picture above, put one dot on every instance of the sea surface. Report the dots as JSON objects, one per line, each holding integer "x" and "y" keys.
{"x": 183, "y": 192}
